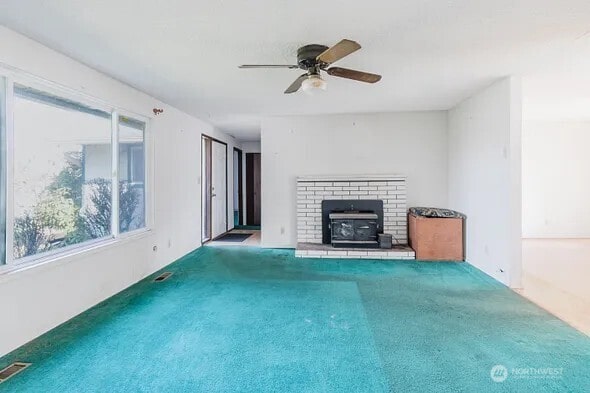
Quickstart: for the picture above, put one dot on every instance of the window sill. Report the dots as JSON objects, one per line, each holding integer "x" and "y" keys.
{"x": 57, "y": 259}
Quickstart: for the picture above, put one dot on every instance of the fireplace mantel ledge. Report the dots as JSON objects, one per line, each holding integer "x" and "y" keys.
{"x": 351, "y": 178}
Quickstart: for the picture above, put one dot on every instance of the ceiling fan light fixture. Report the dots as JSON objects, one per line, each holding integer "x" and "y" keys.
{"x": 314, "y": 83}
{"x": 313, "y": 59}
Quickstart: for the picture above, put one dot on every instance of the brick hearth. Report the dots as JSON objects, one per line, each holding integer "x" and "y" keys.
{"x": 391, "y": 189}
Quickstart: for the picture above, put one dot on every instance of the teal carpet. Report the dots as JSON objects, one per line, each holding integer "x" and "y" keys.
{"x": 250, "y": 320}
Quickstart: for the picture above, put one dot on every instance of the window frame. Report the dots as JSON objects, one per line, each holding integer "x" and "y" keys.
{"x": 148, "y": 171}
{"x": 14, "y": 76}
{"x": 3, "y": 170}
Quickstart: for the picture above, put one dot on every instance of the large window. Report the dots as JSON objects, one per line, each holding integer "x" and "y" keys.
{"x": 3, "y": 163}
{"x": 60, "y": 173}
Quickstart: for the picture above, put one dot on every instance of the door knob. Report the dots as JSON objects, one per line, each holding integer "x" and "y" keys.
{"x": 213, "y": 195}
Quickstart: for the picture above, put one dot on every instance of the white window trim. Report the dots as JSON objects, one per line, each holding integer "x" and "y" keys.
{"x": 14, "y": 76}
{"x": 48, "y": 255}
{"x": 9, "y": 259}
{"x": 114, "y": 174}
{"x": 83, "y": 249}
{"x": 149, "y": 167}
{"x": 3, "y": 163}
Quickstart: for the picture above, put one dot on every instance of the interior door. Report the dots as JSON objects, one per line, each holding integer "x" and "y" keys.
{"x": 218, "y": 189}
{"x": 205, "y": 189}
{"x": 253, "y": 180}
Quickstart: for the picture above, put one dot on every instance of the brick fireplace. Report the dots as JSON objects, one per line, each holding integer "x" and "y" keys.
{"x": 312, "y": 190}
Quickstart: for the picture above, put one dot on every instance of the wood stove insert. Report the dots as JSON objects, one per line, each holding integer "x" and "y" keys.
{"x": 352, "y": 223}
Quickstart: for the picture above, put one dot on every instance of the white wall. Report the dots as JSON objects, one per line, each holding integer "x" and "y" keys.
{"x": 251, "y": 147}
{"x": 40, "y": 298}
{"x": 555, "y": 179}
{"x": 412, "y": 144}
{"x": 484, "y": 177}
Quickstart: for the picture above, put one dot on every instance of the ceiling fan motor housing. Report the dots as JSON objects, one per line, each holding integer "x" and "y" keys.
{"x": 306, "y": 55}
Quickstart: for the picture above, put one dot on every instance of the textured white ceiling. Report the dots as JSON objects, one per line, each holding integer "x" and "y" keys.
{"x": 431, "y": 53}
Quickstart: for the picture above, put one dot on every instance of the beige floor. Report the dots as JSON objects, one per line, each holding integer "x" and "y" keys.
{"x": 252, "y": 241}
{"x": 556, "y": 276}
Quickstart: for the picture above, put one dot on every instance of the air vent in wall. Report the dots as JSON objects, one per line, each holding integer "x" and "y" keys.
{"x": 163, "y": 276}
{"x": 12, "y": 370}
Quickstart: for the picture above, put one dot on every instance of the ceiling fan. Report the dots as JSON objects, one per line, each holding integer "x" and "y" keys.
{"x": 316, "y": 58}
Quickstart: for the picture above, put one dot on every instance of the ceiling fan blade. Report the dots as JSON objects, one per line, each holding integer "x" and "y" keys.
{"x": 268, "y": 66}
{"x": 338, "y": 51}
{"x": 296, "y": 85}
{"x": 353, "y": 74}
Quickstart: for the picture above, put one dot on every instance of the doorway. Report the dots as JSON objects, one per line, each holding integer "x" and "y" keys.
{"x": 238, "y": 216}
{"x": 253, "y": 180}
{"x": 213, "y": 188}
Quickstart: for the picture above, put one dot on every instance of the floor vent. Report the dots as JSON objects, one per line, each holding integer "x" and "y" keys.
{"x": 12, "y": 370}
{"x": 163, "y": 276}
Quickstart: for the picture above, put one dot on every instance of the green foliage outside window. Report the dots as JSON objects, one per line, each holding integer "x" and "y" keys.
{"x": 62, "y": 217}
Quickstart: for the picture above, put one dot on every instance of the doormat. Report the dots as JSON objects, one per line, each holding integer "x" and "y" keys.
{"x": 233, "y": 237}
{"x": 248, "y": 227}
